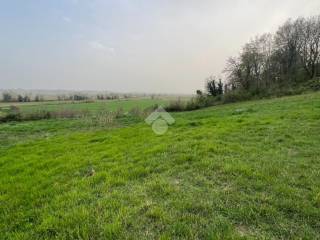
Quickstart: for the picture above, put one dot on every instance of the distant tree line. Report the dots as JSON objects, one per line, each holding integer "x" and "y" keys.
{"x": 9, "y": 97}
{"x": 107, "y": 97}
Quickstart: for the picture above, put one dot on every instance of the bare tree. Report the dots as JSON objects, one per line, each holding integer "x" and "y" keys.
{"x": 287, "y": 49}
{"x": 309, "y": 50}
{"x": 234, "y": 73}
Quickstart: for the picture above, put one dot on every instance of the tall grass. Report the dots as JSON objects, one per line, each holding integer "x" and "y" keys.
{"x": 100, "y": 118}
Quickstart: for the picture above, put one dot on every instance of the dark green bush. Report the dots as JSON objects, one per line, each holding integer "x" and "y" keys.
{"x": 192, "y": 104}
{"x": 10, "y": 117}
{"x": 176, "y": 106}
{"x": 313, "y": 84}
{"x": 200, "y": 101}
{"x": 236, "y": 96}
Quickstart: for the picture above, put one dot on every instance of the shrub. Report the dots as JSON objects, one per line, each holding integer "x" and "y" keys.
{"x": 14, "y": 114}
{"x": 119, "y": 113}
{"x": 176, "y": 106}
{"x": 313, "y": 84}
{"x": 200, "y": 101}
{"x": 236, "y": 96}
{"x": 41, "y": 114}
{"x": 197, "y": 103}
{"x": 10, "y": 117}
{"x": 193, "y": 104}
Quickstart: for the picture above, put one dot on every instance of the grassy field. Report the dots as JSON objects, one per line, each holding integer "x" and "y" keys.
{"x": 95, "y": 106}
{"x": 240, "y": 171}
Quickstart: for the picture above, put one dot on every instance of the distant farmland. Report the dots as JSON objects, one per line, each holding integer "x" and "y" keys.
{"x": 91, "y": 106}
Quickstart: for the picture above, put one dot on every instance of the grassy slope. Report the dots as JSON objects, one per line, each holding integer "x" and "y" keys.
{"x": 248, "y": 170}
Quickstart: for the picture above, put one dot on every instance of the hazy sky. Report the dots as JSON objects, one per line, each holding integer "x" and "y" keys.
{"x": 167, "y": 46}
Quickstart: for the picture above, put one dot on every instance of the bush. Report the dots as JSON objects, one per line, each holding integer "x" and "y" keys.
{"x": 176, "y": 106}
{"x": 10, "y": 117}
{"x": 193, "y": 104}
{"x": 14, "y": 114}
{"x": 119, "y": 113}
{"x": 200, "y": 101}
{"x": 313, "y": 84}
{"x": 236, "y": 96}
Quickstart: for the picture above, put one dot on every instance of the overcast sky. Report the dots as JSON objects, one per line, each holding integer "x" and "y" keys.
{"x": 165, "y": 46}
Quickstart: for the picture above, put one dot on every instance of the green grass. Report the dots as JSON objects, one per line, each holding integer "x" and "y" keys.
{"x": 239, "y": 171}
{"x": 95, "y": 106}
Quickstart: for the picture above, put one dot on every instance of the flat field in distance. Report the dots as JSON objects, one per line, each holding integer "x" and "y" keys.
{"x": 249, "y": 170}
{"x": 94, "y": 106}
